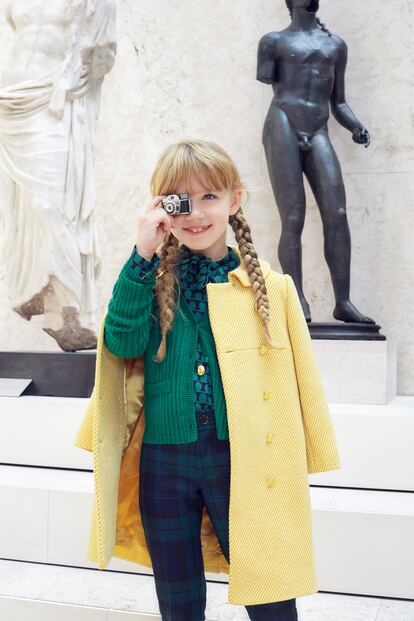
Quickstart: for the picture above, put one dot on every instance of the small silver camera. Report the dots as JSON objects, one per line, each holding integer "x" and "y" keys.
{"x": 176, "y": 203}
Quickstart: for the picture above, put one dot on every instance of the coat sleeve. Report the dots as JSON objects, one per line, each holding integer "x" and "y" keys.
{"x": 321, "y": 447}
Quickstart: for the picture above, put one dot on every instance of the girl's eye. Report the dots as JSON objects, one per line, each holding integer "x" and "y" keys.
{"x": 209, "y": 195}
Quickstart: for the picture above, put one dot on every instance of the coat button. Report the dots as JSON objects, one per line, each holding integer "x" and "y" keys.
{"x": 266, "y": 395}
{"x": 201, "y": 369}
{"x": 269, "y": 438}
{"x": 263, "y": 350}
{"x": 271, "y": 481}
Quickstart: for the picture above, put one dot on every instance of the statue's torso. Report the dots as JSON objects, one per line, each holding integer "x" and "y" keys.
{"x": 305, "y": 76}
{"x": 40, "y": 39}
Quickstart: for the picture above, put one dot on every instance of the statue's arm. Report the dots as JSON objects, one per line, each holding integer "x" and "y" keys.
{"x": 340, "y": 109}
{"x": 266, "y": 58}
{"x": 8, "y": 16}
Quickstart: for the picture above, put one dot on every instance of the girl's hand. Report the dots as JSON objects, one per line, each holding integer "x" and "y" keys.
{"x": 153, "y": 224}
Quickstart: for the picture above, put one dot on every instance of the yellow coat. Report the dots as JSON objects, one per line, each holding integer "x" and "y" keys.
{"x": 279, "y": 430}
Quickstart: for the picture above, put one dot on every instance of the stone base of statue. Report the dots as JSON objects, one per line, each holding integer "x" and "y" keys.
{"x": 347, "y": 331}
{"x": 358, "y": 371}
{"x": 52, "y": 374}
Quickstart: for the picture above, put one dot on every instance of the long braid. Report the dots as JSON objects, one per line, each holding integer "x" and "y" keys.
{"x": 164, "y": 290}
{"x": 244, "y": 240}
{"x": 323, "y": 27}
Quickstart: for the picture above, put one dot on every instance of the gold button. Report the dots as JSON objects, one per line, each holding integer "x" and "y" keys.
{"x": 271, "y": 481}
{"x": 269, "y": 438}
{"x": 266, "y": 395}
{"x": 263, "y": 350}
{"x": 201, "y": 369}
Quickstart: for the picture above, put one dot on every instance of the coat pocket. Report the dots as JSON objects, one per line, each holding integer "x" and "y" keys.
{"x": 158, "y": 388}
{"x": 260, "y": 348}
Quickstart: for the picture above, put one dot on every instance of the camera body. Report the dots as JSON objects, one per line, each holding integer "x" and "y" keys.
{"x": 176, "y": 204}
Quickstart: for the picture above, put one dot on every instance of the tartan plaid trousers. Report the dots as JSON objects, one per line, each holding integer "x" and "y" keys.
{"x": 176, "y": 482}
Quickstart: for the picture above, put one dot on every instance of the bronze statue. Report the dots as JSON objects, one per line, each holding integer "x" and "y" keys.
{"x": 305, "y": 64}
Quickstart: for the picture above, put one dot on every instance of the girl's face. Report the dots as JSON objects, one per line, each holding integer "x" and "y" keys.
{"x": 210, "y": 211}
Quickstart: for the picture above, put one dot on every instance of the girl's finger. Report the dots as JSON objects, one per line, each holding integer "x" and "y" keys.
{"x": 165, "y": 225}
{"x": 164, "y": 215}
{"x": 155, "y": 202}
{"x": 171, "y": 220}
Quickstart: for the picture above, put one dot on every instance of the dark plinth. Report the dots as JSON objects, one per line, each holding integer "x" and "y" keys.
{"x": 54, "y": 374}
{"x": 346, "y": 331}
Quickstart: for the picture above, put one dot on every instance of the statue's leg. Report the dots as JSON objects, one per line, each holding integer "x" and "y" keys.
{"x": 323, "y": 171}
{"x": 14, "y": 236}
{"x": 284, "y": 161}
{"x": 62, "y": 319}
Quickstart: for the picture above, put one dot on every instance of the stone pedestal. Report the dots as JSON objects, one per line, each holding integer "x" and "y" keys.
{"x": 354, "y": 371}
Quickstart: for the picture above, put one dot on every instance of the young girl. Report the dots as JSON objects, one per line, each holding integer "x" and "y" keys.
{"x": 235, "y": 415}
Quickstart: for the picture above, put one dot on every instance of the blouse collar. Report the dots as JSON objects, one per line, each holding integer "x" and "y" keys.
{"x": 198, "y": 269}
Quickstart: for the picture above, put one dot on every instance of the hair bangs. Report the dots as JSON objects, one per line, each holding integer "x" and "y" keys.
{"x": 194, "y": 160}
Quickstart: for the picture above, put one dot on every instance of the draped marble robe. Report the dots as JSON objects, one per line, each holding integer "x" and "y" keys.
{"x": 49, "y": 104}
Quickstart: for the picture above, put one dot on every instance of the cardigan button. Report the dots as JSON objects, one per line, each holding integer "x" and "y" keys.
{"x": 201, "y": 369}
{"x": 266, "y": 395}
{"x": 269, "y": 438}
{"x": 271, "y": 481}
{"x": 263, "y": 350}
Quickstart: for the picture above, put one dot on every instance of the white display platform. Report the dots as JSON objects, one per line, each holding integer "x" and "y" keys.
{"x": 41, "y": 431}
{"x": 363, "y": 538}
{"x": 374, "y": 441}
{"x": 375, "y": 446}
{"x": 361, "y": 372}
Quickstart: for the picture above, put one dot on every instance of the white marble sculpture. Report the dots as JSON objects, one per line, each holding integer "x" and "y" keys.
{"x": 49, "y": 103}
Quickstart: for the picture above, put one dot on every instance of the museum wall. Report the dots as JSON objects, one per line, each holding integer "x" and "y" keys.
{"x": 187, "y": 69}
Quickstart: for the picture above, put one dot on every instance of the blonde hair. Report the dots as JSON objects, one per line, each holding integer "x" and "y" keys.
{"x": 213, "y": 168}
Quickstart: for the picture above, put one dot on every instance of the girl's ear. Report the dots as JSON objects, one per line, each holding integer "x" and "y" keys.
{"x": 236, "y": 202}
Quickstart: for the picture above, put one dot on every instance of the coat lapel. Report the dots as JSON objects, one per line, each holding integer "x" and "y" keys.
{"x": 241, "y": 274}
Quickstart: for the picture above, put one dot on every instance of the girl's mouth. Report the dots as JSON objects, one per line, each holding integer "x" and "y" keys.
{"x": 197, "y": 230}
